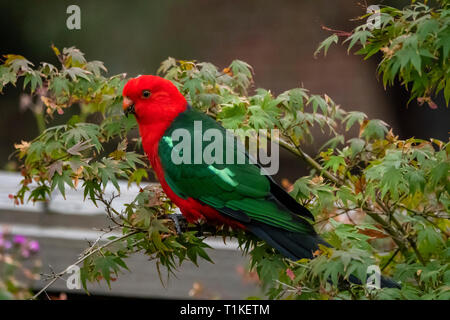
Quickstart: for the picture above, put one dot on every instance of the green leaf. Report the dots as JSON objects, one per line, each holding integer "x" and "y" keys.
{"x": 108, "y": 172}
{"x": 238, "y": 66}
{"x": 59, "y": 84}
{"x": 193, "y": 87}
{"x": 96, "y": 67}
{"x": 358, "y": 36}
{"x": 60, "y": 180}
{"x": 7, "y": 75}
{"x": 439, "y": 173}
{"x": 416, "y": 181}
{"x": 106, "y": 265}
{"x": 232, "y": 117}
{"x": 375, "y": 129}
{"x": 356, "y": 145}
{"x": 35, "y": 79}
{"x": 297, "y": 97}
{"x": 137, "y": 176}
{"x": 301, "y": 189}
{"x": 325, "y": 44}
{"x": 76, "y": 72}
{"x": 429, "y": 240}
{"x": 90, "y": 187}
{"x": 317, "y": 101}
{"x": 391, "y": 181}
{"x": 334, "y": 142}
{"x": 334, "y": 163}
{"x": 352, "y": 117}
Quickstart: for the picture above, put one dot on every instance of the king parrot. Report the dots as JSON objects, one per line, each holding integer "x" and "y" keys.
{"x": 236, "y": 194}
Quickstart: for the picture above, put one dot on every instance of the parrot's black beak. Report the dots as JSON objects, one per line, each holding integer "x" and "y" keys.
{"x": 129, "y": 110}
{"x": 128, "y": 106}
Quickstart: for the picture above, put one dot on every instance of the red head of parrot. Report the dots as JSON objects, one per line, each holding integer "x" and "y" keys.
{"x": 156, "y": 102}
{"x": 152, "y": 99}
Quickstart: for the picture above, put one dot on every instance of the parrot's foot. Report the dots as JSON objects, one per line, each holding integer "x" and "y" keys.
{"x": 200, "y": 230}
{"x": 178, "y": 219}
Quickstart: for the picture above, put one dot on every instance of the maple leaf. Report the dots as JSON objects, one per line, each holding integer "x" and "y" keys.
{"x": 80, "y": 146}
{"x": 55, "y": 166}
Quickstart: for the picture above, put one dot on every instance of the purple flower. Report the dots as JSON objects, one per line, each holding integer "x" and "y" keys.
{"x": 7, "y": 245}
{"x": 25, "y": 253}
{"x": 19, "y": 239}
{"x": 33, "y": 246}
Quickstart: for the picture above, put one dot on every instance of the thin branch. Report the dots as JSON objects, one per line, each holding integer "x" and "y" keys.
{"x": 307, "y": 158}
{"x": 391, "y": 259}
{"x": 90, "y": 253}
{"x": 411, "y": 242}
{"x": 427, "y": 217}
{"x": 388, "y": 228}
{"x": 339, "y": 33}
{"x": 110, "y": 211}
{"x": 399, "y": 226}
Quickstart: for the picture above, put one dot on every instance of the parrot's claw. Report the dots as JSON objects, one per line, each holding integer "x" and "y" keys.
{"x": 177, "y": 218}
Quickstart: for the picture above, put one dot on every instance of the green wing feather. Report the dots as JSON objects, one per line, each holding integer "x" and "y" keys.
{"x": 237, "y": 190}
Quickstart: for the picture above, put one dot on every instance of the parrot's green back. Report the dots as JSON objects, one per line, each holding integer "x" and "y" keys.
{"x": 236, "y": 190}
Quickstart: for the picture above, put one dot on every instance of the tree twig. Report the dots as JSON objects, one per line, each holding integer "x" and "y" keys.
{"x": 87, "y": 255}
{"x": 307, "y": 158}
{"x": 391, "y": 259}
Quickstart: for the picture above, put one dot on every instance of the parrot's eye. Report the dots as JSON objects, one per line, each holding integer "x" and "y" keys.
{"x": 146, "y": 94}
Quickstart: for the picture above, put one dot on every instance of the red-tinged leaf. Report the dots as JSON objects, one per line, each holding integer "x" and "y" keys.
{"x": 290, "y": 274}
{"x": 55, "y": 166}
{"x": 80, "y": 146}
